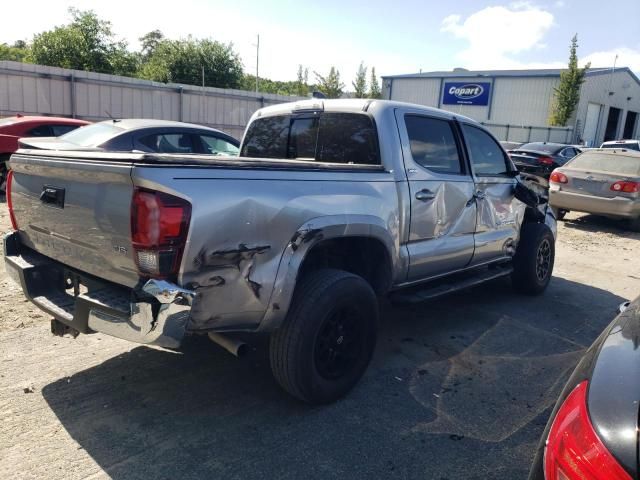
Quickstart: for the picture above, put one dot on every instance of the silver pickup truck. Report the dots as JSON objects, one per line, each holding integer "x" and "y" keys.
{"x": 330, "y": 205}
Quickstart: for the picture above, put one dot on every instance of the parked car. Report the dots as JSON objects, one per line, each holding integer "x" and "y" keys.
{"x": 592, "y": 431}
{"x": 510, "y": 145}
{"x": 541, "y": 158}
{"x": 628, "y": 144}
{"x": 330, "y": 204}
{"x": 141, "y": 135}
{"x": 603, "y": 182}
{"x": 14, "y": 128}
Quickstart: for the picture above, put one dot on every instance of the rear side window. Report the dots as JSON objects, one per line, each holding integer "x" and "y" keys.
{"x": 433, "y": 144}
{"x": 487, "y": 157}
{"x": 62, "y": 129}
{"x": 168, "y": 143}
{"x": 328, "y": 137}
{"x": 40, "y": 131}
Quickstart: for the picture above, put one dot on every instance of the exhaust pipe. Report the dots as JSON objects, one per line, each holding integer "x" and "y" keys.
{"x": 234, "y": 347}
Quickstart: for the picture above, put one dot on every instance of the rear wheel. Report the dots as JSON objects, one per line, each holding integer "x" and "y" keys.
{"x": 534, "y": 259}
{"x": 328, "y": 337}
{"x": 634, "y": 224}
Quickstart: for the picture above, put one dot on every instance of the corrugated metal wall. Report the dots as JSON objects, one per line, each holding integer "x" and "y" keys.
{"x": 523, "y": 101}
{"x": 518, "y": 110}
{"x": 36, "y": 89}
{"x": 625, "y": 96}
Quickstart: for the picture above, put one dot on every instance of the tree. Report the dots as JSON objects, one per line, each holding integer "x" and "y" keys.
{"x": 330, "y": 85}
{"x": 87, "y": 43}
{"x": 360, "y": 83}
{"x": 185, "y": 61}
{"x": 149, "y": 42}
{"x": 18, "y": 52}
{"x": 302, "y": 89}
{"x": 374, "y": 86}
{"x": 567, "y": 93}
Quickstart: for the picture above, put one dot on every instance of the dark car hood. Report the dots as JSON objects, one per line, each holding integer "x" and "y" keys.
{"x": 53, "y": 143}
{"x": 614, "y": 389}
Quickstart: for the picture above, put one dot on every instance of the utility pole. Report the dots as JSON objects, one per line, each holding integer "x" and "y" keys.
{"x": 257, "y": 61}
{"x": 202, "y": 102}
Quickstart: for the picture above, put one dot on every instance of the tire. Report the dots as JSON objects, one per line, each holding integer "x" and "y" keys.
{"x": 634, "y": 224}
{"x": 328, "y": 337}
{"x": 561, "y": 214}
{"x": 534, "y": 258}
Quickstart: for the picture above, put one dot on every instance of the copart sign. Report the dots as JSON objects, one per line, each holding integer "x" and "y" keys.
{"x": 472, "y": 93}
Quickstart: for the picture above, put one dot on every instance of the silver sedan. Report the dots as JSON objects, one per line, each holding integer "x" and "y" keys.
{"x": 602, "y": 182}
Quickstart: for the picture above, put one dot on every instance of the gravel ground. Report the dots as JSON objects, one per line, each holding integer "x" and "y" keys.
{"x": 459, "y": 388}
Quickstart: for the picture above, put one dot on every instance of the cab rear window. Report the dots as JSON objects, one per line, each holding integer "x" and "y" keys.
{"x": 348, "y": 138}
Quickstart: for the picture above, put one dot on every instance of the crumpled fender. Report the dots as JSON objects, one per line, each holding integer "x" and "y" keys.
{"x": 301, "y": 243}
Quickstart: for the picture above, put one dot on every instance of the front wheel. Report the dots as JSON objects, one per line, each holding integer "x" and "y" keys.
{"x": 561, "y": 214}
{"x": 328, "y": 337}
{"x": 534, "y": 259}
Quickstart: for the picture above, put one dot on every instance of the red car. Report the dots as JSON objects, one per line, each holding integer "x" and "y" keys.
{"x": 13, "y": 128}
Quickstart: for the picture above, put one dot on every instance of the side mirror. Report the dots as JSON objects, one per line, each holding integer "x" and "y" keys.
{"x": 513, "y": 173}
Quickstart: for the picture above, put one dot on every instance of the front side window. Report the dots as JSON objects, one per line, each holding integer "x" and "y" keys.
{"x": 327, "y": 137}
{"x": 487, "y": 157}
{"x": 433, "y": 144}
{"x": 168, "y": 143}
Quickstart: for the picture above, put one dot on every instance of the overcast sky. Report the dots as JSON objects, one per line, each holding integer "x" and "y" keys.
{"x": 394, "y": 36}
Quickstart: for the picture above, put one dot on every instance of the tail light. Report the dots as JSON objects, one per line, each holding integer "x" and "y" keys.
{"x": 545, "y": 160}
{"x": 558, "y": 177}
{"x": 159, "y": 226}
{"x": 12, "y": 216}
{"x": 626, "y": 187}
{"x": 574, "y": 450}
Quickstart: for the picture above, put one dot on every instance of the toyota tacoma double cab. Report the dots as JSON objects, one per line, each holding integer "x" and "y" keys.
{"x": 331, "y": 205}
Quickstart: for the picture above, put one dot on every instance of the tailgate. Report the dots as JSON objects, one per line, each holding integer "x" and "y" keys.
{"x": 77, "y": 212}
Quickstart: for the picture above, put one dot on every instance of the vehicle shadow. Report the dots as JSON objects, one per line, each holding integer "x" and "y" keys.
{"x": 597, "y": 224}
{"x": 459, "y": 388}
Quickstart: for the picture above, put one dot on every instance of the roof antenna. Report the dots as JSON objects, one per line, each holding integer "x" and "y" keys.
{"x": 111, "y": 116}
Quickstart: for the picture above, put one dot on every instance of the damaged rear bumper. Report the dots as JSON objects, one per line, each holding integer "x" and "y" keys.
{"x": 157, "y": 313}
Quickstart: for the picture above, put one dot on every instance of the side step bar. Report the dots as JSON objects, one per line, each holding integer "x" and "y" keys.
{"x": 438, "y": 288}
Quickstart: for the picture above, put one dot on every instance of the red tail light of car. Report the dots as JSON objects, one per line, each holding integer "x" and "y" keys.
{"x": 545, "y": 160}
{"x": 558, "y": 177}
{"x": 12, "y": 216}
{"x": 626, "y": 187}
{"x": 574, "y": 451}
{"x": 159, "y": 227}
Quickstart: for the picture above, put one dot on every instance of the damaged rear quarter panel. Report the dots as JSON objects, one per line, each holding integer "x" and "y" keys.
{"x": 243, "y": 221}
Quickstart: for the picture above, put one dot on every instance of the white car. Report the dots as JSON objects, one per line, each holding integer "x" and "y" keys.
{"x": 628, "y": 144}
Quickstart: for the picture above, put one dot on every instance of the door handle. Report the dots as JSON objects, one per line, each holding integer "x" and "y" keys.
{"x": 425, "y": 195}
{"x": 479, "y": 194}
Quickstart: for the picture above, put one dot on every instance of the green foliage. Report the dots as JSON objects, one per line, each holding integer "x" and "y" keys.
{"x": 87, "y": 43}
{"x": 360, "y": 83}
{"x": 374, "y": 86}
{"x": 330, "y": 85}
{"x": 269, "y": 86}
{"x": 149, "y": 42}
{"x": 567, "y": 93}
{"x": 18, "y": 52}
{"x": 186, "y": 61}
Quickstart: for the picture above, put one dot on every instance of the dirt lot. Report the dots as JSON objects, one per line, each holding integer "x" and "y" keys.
{"x": 460, "y": 388}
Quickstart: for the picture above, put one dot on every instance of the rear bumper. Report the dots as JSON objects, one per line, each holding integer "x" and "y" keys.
{"x": 157, "y": 313}
{"x": 614, "y": 207}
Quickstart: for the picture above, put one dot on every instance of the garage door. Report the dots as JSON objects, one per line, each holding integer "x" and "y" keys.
{"x": 591, "y": 124}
